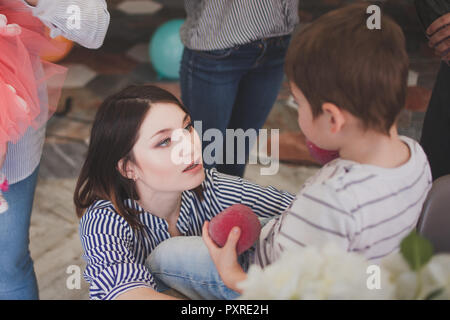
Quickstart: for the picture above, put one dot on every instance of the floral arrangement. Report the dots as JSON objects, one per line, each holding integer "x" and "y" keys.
{"x": 332, "y": 273}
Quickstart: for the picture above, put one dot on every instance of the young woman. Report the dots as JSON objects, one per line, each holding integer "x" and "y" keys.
{"x": 140, "y": 186}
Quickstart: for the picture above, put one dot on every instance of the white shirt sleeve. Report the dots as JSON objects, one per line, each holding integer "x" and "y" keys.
{"x": 83, "y": 21}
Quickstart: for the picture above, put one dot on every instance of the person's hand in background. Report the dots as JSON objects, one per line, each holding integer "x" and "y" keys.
{"x": 439, "y": 37}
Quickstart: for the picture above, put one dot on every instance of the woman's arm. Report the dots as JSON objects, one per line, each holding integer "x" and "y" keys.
{"x": 265, "y": 202}
{"x": 112, "y": 268}
{"x": 83, "y": 21}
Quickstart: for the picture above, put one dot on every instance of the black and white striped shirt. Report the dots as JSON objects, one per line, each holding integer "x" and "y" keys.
{"x": 218, "y": 24}
{"x": 362, "y": 208}
{"x": 115, "y": 255}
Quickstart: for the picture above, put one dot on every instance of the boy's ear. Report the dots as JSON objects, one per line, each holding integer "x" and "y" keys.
{"x": 336, "y": 116}
{"x": 127, "y": 172}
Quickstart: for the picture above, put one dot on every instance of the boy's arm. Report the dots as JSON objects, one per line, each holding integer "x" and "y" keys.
{"x": 225, "y": 258}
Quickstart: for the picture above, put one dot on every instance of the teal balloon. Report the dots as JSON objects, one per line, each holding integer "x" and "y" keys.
{"x": 166, "y": 49}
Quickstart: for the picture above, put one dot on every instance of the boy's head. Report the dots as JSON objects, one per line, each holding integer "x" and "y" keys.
{"x": 345, "y": 73}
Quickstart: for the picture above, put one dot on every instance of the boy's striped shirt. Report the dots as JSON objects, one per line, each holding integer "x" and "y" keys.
{"x": 362, "y": 208}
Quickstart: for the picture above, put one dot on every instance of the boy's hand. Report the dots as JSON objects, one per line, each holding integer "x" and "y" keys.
{"x": 439, "y": 33}
{"x": 225, "y": 258}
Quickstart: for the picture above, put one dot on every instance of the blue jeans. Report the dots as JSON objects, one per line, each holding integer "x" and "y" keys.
{"x": 17, "y": 277}
{"x": 184, "y": 264}
{"x": 233, "y": 88}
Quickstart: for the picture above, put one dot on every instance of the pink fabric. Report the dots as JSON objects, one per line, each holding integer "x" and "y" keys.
{"x": 20, "y": 77}
{"x": 4, "y": 186}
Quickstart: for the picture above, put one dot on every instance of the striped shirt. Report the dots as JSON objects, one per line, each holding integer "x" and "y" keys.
{"x": 218, "y": 24}
{"x": 23, "y": 157}
{"x": 363, "y": 208}
{"x": 116, "y": 255}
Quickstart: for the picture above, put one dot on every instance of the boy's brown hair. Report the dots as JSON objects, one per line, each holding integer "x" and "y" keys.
{"x": 338, "y": 59}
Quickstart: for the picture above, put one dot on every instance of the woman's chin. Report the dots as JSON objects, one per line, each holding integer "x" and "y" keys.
{"x": 193, "y": 179}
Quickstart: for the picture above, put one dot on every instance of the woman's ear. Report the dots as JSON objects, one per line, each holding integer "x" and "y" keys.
{"x": 336, "y": 116}
{"x": 127, "y": 172}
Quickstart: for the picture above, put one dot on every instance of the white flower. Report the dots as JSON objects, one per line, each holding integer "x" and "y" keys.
{"x": 313, "y": 273}
{"x": 419, "y": 285}
{"x": 437, "y": 275}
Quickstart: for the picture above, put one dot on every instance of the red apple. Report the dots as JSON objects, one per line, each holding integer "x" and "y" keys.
{"x": 321, "y": 155}
{"x": 236, "y": 215}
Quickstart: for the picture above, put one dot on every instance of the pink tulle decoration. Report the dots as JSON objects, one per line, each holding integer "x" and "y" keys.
{"x": 23, "y": 73}
{"x": 4, "y": 186}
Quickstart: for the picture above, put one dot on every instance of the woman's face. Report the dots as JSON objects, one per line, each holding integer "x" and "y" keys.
{"x": 168, "y": 152}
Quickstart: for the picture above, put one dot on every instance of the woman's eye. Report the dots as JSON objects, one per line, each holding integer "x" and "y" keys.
{"x": 189, "y": 127}
{"x": 164, "y": 143}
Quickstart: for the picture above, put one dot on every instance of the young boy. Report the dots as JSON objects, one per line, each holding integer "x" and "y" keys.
{"x": 350, "y": 85}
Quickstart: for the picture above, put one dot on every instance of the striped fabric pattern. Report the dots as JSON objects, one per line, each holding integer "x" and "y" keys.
{"x": 115, "y": 254}
{"x": 362, "y": 208}
{"x": 217, "y": 24}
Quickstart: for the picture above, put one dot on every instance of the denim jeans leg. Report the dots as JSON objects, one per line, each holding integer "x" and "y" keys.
{"x": 258, "y": 91}
{"x": 184, "y": 264}
{"x": 208, "y": 90}
{"x": 17, "y": 277}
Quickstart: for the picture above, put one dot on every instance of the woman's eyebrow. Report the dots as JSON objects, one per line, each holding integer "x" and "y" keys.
{"x": 186, "y": 117}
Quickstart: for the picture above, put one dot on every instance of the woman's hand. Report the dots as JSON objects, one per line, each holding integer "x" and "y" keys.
{"x": 439, "y": 33}
{"x": 225, "y": 258}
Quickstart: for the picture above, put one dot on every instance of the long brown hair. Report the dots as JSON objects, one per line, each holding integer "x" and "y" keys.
{"x": 113, "y": 135}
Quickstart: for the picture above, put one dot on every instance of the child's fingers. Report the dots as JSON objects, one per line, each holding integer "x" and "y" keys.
{"x": 206, "y": 238}
{"x": 21, "y": 103}
{"x": 10, "y": 29}
{"x": 233, "y": 238}
{"x": 3, "y": 20}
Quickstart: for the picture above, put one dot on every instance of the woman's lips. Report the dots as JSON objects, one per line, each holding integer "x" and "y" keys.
{"x": 193, "y": 166}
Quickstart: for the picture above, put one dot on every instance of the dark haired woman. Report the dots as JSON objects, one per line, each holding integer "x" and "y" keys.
{"x": 140, "y": 186}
